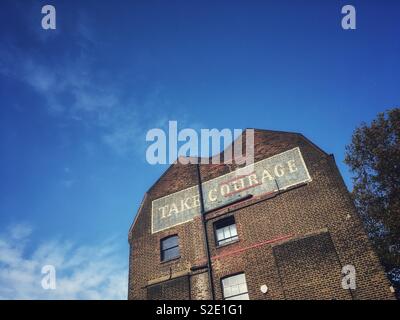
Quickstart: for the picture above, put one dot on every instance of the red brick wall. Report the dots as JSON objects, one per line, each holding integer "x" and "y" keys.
{"x": 322, "y": 206}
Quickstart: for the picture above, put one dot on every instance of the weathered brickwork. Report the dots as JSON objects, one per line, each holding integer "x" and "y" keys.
{"x": 295, "y": 242}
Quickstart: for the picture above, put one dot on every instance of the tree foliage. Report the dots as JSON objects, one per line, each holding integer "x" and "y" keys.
{"x": 374, "y": 159}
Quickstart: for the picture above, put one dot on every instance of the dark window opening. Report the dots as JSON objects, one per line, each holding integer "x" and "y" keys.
{"x": 169, "y": 248}
{"x": 225, "y": 231}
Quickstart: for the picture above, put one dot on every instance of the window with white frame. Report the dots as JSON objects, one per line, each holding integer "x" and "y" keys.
{"x": 225, "y": 231}
{"x": 235, "y": 287}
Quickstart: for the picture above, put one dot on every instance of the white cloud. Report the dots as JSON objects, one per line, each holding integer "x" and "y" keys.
{"x": 72, "y": 92}
{"x": 76, "y": 89}
{"x": 82, "y": 271}
{"x": 20, "y": 231}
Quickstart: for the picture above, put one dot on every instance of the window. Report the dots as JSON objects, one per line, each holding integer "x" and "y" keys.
{"x": 169, "y": 248}
{"x": 225, "y": 231}
{"x": 235, "y": 287}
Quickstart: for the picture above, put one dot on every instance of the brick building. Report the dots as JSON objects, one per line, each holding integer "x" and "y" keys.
{"x": 285, "y": 231}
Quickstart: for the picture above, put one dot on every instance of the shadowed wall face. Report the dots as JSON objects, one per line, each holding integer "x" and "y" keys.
{"x": 310, "y": 268}
{"x": 175, "y": 289}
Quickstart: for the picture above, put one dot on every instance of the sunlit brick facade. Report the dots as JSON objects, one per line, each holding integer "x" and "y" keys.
{"x": 286, "y": 244}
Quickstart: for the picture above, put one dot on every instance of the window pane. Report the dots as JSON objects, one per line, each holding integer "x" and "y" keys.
{"x": 169, "y": 248}
{"x": 220, "y": 234}
{"x": 166, "y": 255}
{"x": 226, "y": 231}
{"x": 227, "y": 292}
{"x": 243, "y": 287}
{"x": 239, "y": 278}
{"x": 226, "y": 282}
{"x": 233, "y": 230}
{"x": 235, "y": 287}
{"x": 235, "y": 290}
{"x": 174, "y": 252}
{"x": 170, "y": 253}
{"x": 169, "y": 242}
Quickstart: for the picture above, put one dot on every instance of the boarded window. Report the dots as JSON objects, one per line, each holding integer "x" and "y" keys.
{"x": 309, "y": 268}
{"x": 174, "y": 289}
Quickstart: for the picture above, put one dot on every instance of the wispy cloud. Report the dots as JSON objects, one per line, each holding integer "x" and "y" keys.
{"x": 78, "y": 88}
{"x": 20, "y": 231}
{"x": 82, "y": 271}
{"x": 73, "y": 89}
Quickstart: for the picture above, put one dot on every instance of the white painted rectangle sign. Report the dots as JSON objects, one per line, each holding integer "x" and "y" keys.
{"x": 280, "y": 171}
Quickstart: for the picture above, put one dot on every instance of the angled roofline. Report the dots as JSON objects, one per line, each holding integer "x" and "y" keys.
{"x": 294, "y": 133}
{"x": 136, "y": 216}
{"x": 209, "y": 158}
{"x": 220, "y": 153}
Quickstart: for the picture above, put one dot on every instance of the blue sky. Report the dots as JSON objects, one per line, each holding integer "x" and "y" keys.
{"x": 76, "y": 103}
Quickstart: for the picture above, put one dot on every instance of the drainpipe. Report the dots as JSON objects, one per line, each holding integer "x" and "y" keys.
{"x": 203, "y": 219}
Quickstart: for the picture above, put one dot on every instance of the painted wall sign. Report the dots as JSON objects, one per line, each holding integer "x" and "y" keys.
{"x": 280, "y": 171}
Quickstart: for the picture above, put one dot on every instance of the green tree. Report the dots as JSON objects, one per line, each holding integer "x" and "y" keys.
{"x": 374, "y": 159}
